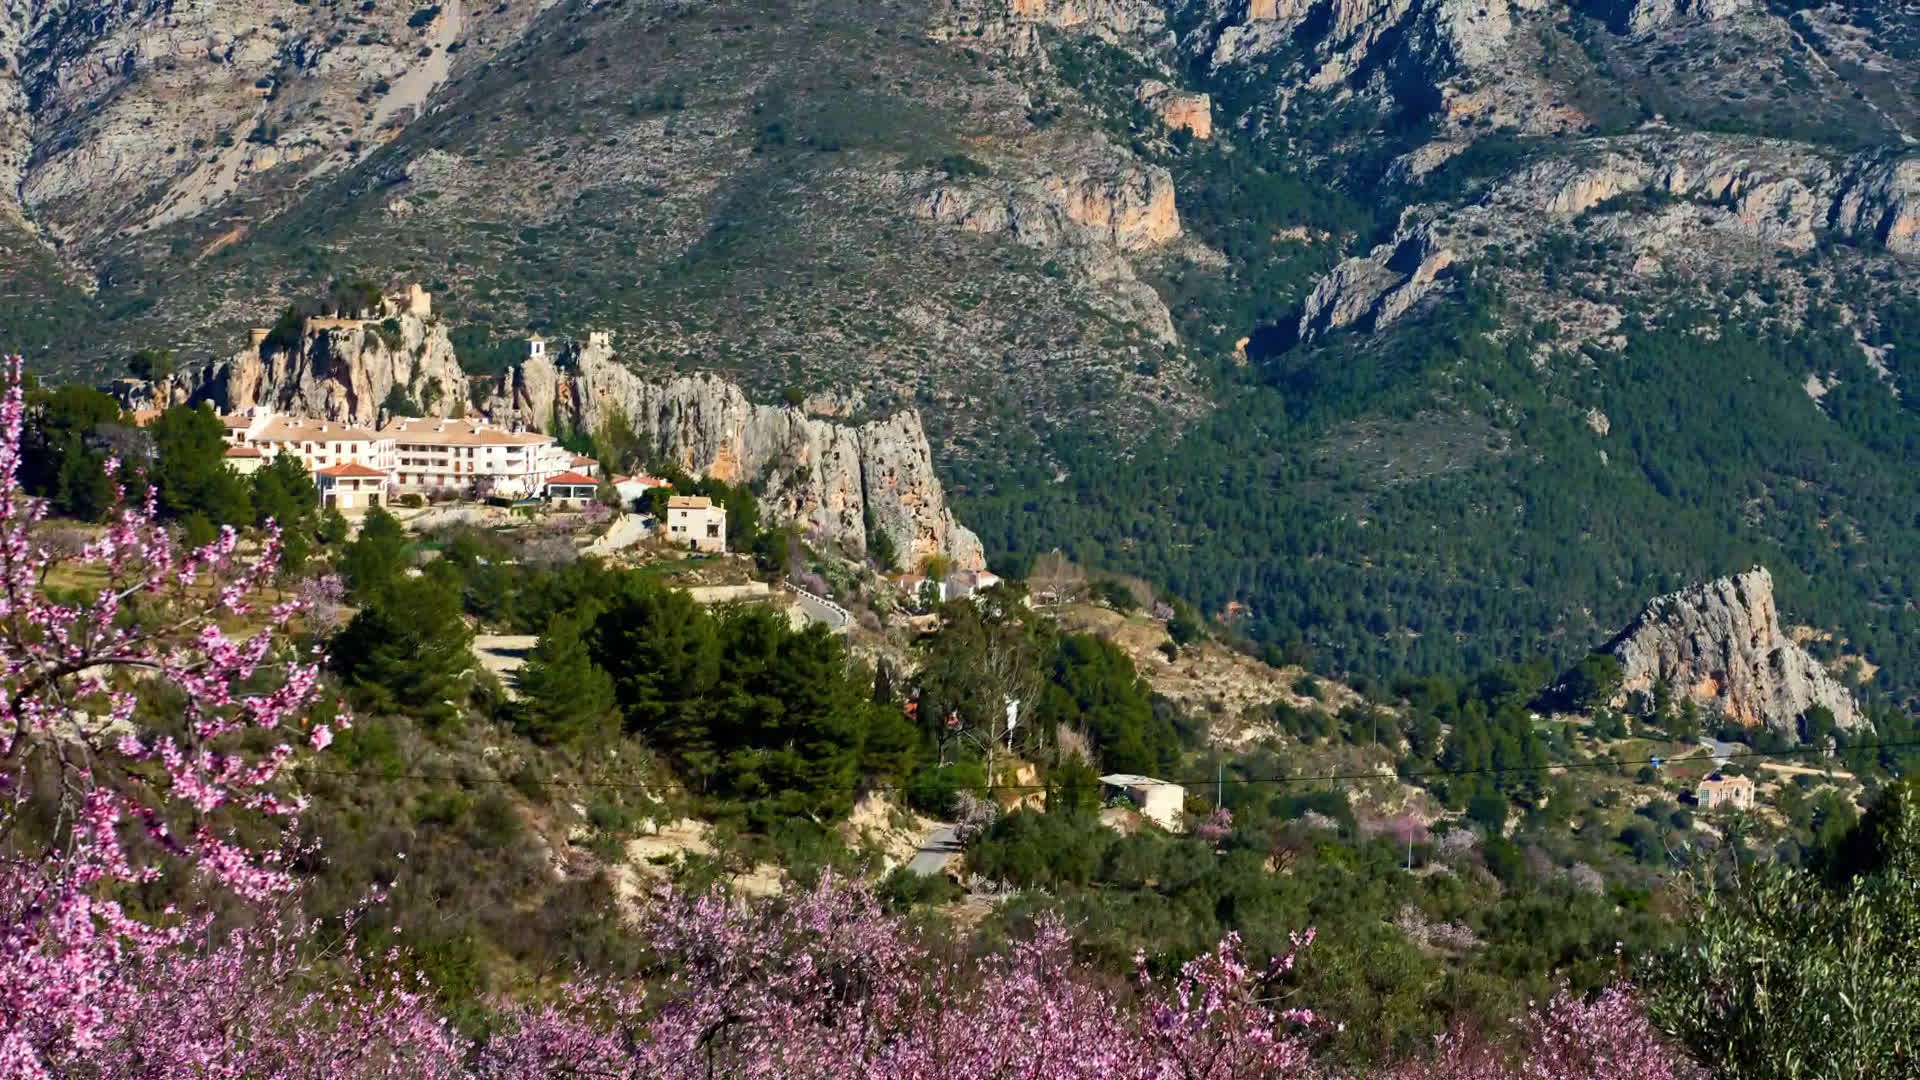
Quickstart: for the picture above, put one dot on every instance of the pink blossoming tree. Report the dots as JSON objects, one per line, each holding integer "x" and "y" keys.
{"x": 129, "y": 794}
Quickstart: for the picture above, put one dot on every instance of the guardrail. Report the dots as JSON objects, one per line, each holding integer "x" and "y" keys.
{"x": 837, "y": 618}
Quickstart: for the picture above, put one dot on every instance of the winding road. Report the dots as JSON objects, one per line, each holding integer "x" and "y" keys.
{"x": 936, "y": 848}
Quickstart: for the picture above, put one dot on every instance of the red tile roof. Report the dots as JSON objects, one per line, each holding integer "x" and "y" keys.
{"x": 578, "y": 460}
{"x": 243, "y": 451}
{"x": 573, "y": 478}
{"x": 351, "y": 468}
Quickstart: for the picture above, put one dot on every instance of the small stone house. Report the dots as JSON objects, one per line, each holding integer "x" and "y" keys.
{"x": 1717, "y": 791}
{"x": 571, "y": 489}
{"x": 350, "y": 486}
{"x": 693, "y": 520}
{"x": 1158, "y": 801}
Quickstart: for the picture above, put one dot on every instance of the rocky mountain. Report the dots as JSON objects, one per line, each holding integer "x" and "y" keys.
{"x": 354, "y": 371}
{"x": 1721, "y": 644}
{"x": 1342, "y": 316}
{"x": 841, "y": 482}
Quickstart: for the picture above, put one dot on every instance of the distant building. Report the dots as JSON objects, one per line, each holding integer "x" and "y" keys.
{"x": 964, "y": 583}
{"x": 583, "y": 465}
{"x": 431, "y": 454}
{"x": 693, "y": 520}
{"x": 633, "y": 488}
{"x": 245, "y": 460}
{"x": 418, "y": 454}
{"x": 571, "y": 489}
{"x": 1718, "y": 791}
{"x": 350, "y": 486}
{"x": 1163, "y": 803}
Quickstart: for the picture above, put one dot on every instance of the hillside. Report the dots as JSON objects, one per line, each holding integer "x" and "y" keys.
{"x": 1426, "y": 334}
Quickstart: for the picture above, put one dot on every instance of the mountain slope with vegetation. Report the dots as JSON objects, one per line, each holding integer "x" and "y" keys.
{"x": 1451, "y": 334}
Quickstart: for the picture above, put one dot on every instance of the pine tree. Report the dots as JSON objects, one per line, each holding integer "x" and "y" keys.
{"x": 408, "y": 649}
{"x": 564, "y": 695}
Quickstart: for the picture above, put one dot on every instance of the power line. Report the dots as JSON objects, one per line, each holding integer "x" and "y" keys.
{"x": 1194, "y": 782}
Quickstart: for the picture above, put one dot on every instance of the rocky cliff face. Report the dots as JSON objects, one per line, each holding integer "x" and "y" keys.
{"x": 839, "y": 481}
{"x": 340, "y": 370}
{"x": 1721, "y": 643}
{"x": 120, "y": 118}
{"x": 1712, "y": 201}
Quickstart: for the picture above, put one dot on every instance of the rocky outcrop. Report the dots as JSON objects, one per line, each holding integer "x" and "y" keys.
{"x": 1721, "y": 644}
{"x": 1178, "y": 109}
{"x": 340, "y": 369}
{"x": 1095, "y": 215}
{"x": 1640, "y": 16}
{"x": 1114, "y": 202}
{"x": 1373, "y": 291}
{"x": 1722, "y": 194}
{"x": 1014, "y": 26}
{"x": 838, "y": 481}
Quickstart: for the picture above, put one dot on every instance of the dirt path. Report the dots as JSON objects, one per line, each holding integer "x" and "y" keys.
{"x": 1805, "y": 770}
{"x": 503, "y": 654}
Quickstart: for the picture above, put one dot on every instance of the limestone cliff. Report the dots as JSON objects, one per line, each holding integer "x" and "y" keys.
{"x": 341, "y": 369}
{"x": 1714, "y": 200}
{"x": 836, "y": 480}
{"x": 1721, "y": 643}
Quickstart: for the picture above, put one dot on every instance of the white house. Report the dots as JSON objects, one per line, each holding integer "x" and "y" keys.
{"x": 571, "y": 489}
{"x": 350, "y": 486}
{"x": 634, "y": 487}
{"x": 459, "y": 454}
{"x": 1161, "y": 802}
{"x": 693, "y": 520}
{"x": 416, "y": 454}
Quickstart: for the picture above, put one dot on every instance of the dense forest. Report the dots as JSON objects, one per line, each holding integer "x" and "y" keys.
{"x": 1433, "y": 503}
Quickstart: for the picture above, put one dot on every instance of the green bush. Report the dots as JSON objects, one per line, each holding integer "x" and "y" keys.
{"x": 1782, "y": 974}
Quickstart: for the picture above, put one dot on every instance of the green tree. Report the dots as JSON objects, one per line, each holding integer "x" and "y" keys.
{"x": 376, "y": 558}
{"x": 1093, "y": 687}
{"x": 62, "y": 452}
{"x": 1785, "y": 975}
{"x": 282, "y": 491}
{"x": 564, "y": 696}
{"x": 153, "y": 365}
{"x": 332, "y": 528}
{"x": 663, "y": 653}
{"x": 408, "y": 650}
{"x": 1593, "y": 681}
{"x": 880, "y": 546}
{"x": 190, "y": 469}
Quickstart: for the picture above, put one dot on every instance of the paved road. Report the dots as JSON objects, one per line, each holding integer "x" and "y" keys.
{"x": 1722, "y": 750}
{"x": 626, "y": 531}
{"x": 935, "y": 849}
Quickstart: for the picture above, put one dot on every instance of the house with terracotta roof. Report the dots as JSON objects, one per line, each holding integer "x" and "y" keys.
{"x": 583, "y": 465}
{"x": 571, "y": 489}
{"x": 635, "y": 487}
{"x": 245, "y": 460}
{"x": 694, "y": 521}
{"x": 319, "y": 444}
{"x": 416, "y": 454}
{"x": 472, "y": 455}
{"x": 350, "y": 486}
